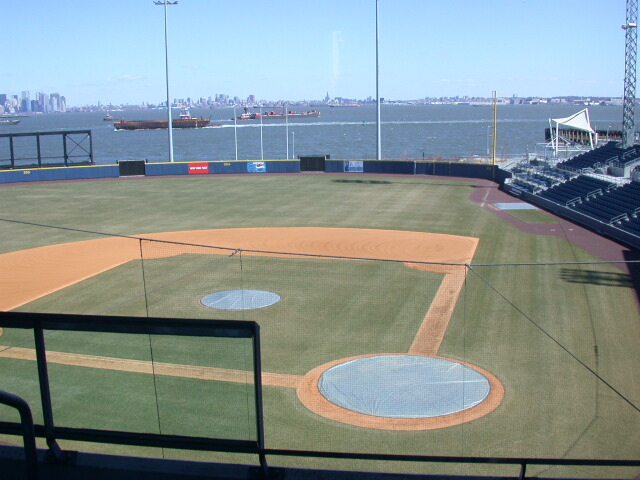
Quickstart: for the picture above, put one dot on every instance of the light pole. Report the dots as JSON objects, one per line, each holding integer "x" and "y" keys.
{"x": 631, "y": 51}
{"x": 235, "y": 130}
{"x": 261, "y": 145}
{"x": 166, "y": 62}
{"x": 378, "y": 135}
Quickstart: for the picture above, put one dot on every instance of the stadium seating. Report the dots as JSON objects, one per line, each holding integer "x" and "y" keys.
{"x": 600, "y": 156}
{"x": 632, "y": 225}
{"x": 579, "y": 187}
{"x": 571, "y": 185}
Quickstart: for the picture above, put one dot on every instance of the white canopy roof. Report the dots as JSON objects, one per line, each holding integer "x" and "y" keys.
{"x": 579, "y": 121}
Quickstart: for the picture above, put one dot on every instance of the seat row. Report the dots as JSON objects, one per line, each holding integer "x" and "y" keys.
{"x": 632, "y": 226}
{"x": 599, "y": 210}
{"x": 605, "y": 153}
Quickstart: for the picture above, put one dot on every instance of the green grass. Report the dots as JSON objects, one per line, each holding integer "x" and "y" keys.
{"x": 538, "y": 328}
{"x": 362, "y": 306}
{"x": 532, "y": 216}
{"x": 162, "y": 204}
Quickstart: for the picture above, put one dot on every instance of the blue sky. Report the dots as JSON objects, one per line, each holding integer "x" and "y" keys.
{"x": 113, "y": 50}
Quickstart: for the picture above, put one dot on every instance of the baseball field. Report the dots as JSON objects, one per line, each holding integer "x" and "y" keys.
{"x": 540, "y": 315}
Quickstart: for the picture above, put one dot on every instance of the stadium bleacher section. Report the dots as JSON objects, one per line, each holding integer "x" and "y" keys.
{"x": 598, "y": 199}
{"x": 597, "y": 158}
{"x": 574, "y": 187}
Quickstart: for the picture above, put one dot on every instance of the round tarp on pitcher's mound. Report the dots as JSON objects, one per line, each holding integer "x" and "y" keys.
{"x": 240, "y": 299}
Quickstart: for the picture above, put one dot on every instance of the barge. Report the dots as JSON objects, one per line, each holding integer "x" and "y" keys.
{"x": 273, "y": 114}
{"x": 184, "y": 121}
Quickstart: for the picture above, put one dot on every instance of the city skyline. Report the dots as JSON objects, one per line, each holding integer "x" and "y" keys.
{"x": 113, "y": 52}
{"x": 55, "y": 102}
{"x": 23, "y": 103}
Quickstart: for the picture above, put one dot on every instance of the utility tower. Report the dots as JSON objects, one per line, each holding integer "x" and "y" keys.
{"x": 629, "y": 101}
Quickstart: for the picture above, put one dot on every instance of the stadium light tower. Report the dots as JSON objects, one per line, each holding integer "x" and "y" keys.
{"x": 629, "y": 101}
{"x": 378, "y": 129}
{"x": 166, "y": 3}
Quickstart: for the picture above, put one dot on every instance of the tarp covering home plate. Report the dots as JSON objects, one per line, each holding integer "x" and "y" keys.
{"x": 403, "y": 386}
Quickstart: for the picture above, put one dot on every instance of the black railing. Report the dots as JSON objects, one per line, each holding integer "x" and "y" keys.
{"x": 76, "y": 149}
{"x": 132, "y": 325}
{"x": 26, "y": 427}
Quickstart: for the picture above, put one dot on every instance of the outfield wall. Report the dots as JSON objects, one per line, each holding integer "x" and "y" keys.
{"x": 59, "y": 173}
{"x": 402, "y": 167}
{"x": 150, "y": 169}
{"x": 217, "y": 167}
{"x": 410, "y": 167}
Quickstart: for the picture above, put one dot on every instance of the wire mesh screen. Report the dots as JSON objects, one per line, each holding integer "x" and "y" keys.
{"x": 371, "y": 355}
{"x": 18, "y": 376}
{"x": 313, "y": 308}
{"x": 177, "y": 276}
{"x": 561, "y": 340}
{"x": 25, "y": 152}
{"x": 170, "y": 385}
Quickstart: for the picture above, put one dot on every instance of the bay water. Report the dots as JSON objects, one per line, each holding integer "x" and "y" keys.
{"x": 413, "y": 132}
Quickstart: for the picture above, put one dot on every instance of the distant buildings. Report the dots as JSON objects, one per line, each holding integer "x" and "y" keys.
{"x": 43, "y": 103}
{"x": 54, "y": 102}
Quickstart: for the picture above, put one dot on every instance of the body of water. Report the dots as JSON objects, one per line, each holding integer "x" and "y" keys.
{"x": 408, "y": 132}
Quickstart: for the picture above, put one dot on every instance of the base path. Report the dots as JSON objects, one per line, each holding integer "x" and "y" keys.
{"x": 431, "y": 333}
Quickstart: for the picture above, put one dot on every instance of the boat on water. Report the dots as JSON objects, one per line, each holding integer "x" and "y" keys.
{"x": 108, "y": 118}
{"x": 273, "y": 114}
{"x": 184, "y": 121}
{"x": 9, "y": 122}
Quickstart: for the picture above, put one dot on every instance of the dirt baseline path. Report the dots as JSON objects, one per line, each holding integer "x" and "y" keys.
{"x": 27, "y": 275}
{"x": 31, "y": 274}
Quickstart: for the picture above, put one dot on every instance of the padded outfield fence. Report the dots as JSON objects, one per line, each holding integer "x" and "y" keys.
{"x": 454, "y": 367}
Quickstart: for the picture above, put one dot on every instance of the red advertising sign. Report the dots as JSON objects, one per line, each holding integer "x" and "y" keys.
{"x": 198, "y": 168}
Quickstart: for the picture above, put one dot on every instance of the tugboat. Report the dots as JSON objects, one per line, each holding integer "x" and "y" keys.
{"x": 184, "y": 121}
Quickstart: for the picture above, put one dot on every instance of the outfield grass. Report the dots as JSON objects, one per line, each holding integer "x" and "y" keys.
{"x": 538, "y": 328}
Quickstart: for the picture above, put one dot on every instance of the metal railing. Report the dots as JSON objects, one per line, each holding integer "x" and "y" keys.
{"x": 28, "y": 435}
{"x": 76, "y": 149}
{"x": 39, "y": 322}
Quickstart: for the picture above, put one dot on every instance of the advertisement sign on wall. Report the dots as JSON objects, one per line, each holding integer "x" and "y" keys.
{"x": 256, "y": 167}
{"x": 198, "y": 168}
{"x": 354, "y": 166}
